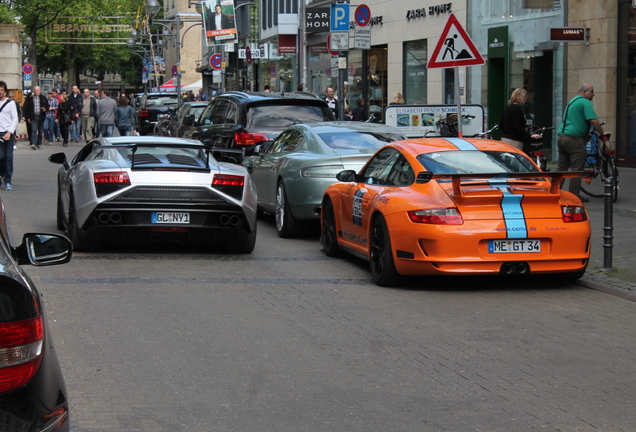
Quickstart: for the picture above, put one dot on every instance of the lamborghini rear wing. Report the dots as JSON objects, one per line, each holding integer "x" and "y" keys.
{"x": 554, "y": 178}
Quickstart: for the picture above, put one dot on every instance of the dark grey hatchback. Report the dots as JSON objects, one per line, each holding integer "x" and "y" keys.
{"x": 32, "y": 390}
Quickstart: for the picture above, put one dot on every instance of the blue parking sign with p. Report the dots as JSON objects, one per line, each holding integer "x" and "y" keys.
{"x": 340, "y": 17}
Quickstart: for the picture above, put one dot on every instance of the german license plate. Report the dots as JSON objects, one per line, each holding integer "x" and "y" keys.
{"x": 514, "y": 246}
{"x": 170, "y": 218}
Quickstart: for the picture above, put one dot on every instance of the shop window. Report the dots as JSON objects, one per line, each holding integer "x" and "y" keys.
{"x": 415, "y": 72}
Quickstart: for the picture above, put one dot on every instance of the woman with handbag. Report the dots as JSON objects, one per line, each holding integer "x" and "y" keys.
{"x": 124, "y": 118}
{"x": 64, "y": 118}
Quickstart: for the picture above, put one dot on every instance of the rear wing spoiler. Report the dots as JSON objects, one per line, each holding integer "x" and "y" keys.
{"x": 554, "y": 177}
{"x": 195, "y": 146}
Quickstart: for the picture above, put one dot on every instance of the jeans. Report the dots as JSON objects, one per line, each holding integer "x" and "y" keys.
{"x": 6, "y": 158}
{"x": 49, "y": 128}
{"x": 76, "y": 128}
{"x": 125, "y": 130}
{"x": 106, "y": 130}
{"x": 37, "y": 124}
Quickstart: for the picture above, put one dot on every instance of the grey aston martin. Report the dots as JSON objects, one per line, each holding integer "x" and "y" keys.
{"x": 291, "y": 175}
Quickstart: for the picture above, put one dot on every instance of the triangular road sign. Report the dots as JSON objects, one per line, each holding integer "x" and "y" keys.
{"x": 455, "y": 48}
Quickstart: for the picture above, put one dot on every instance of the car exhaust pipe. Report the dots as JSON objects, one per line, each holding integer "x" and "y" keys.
{"x": 115, "y": 217}
{"x": 508, "y": 268}
{"x": 515, "y": 268}
{"x": 317, "y": 210}
{"x": 103, "y": 218}
{"x": 235, "y": 220}
{"x": 224, "y": 219}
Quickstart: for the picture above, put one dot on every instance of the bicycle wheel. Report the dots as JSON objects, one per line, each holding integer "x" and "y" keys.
{"x": 596, "y": 186}
{"x": 157, "y": 130}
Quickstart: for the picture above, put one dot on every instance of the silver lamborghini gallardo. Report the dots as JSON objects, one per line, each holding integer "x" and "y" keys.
{"x": 152, "y": 189}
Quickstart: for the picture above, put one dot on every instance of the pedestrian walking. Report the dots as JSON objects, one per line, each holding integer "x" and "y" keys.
{"x": 89, "y": 112}
{"x": 8, "y": 125}
{"x": 51, "y": 119}
{"x": 65, "y": 118}
{"x": 35, "y": 108}
{"x": 76, "y": 100}
{"x": 332, "y": 101}
{"x": 124, "y": 118}
{"x": 578, "y": 117}
{"x": 58, "y": 96}
{"x": 106, "y": 112}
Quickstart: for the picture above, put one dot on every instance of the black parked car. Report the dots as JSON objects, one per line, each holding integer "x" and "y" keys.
{"x": 154, "y": 107}
{"x": 178, "y": 122}
{"x": 239, "y": 120}
{"x": 32, "y": 391}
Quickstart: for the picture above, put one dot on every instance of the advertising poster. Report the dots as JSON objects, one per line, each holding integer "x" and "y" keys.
{"x": 218, "y": 21}
{"x": 416, "y": 121}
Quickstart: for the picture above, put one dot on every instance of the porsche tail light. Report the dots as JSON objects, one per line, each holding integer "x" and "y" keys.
{"x": 143, "y": 112}
{"x": 21, "y": 344}
{"x": 445, "y": 216}
{"x": 231, "y": 185}
{"x": 573, "y": 214}
{"x": 109, "y": 182}
{"x": 248, "y": 138}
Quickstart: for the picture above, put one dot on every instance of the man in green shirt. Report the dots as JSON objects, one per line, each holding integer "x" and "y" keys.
{"x": 579, "y": 115}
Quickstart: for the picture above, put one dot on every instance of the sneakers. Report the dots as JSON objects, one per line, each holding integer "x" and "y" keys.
{"x": 8, "y": 186}
{"x": 33, "y": 147}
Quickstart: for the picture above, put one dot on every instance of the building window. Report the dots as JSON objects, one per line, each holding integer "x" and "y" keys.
{"x": 415, "y": 73}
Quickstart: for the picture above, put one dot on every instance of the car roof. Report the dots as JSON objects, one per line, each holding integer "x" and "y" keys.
{"x": 147, "y": 140}
{"x": 418, "y": 146}
{"x": 264, "y": 96}
{"x": 350, "y": 126}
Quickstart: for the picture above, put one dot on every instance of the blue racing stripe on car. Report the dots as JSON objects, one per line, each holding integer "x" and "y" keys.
{"x": 512, "y": 212}
{"x": 461, "y": 144}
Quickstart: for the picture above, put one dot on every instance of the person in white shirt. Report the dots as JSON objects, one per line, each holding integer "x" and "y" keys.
{"x": 8, "y": 125}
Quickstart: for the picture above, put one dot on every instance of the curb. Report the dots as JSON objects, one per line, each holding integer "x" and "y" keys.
{"x": 609, "y": 285}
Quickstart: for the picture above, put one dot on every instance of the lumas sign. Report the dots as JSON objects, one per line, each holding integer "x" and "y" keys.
{"x": 89, "y": 30}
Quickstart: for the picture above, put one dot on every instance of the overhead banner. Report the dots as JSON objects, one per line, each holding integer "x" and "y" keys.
{"x": 218, "y": 21}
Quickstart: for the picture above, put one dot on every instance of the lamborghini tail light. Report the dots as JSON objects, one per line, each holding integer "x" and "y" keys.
{"x": 109, "y": 182}
{"x": 445, "y": 216}
{"x": 21, "y": 344}
{"x": 573, "y": 214}
{"x": 248, "y": 138}
{"x": 231, "y": 185}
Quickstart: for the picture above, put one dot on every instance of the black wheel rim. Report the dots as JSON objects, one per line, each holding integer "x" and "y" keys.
{"x": 378, "y": 249}
{"x": 329, "y": 226}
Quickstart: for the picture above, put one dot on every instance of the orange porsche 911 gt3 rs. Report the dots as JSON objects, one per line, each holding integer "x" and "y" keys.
{"x": 456, "y": 206}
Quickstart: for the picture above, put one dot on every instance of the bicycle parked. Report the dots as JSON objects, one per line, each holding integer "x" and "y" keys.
{"x": 600, "y": 159}
{"x": 535, "y": 150}
{"x": 487, "y": 134}
{"x": 163, "y": 127}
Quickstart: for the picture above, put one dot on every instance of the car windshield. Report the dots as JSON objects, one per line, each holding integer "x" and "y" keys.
{"x": 475, "y": 161}
{"x": 357, "y": 140}
{"x": 283, "y": 116}
{"x": 162, "y": 100}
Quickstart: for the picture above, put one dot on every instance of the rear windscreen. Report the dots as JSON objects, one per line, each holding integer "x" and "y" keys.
{"x": 471, "y": 162}
{"x": 283, "y": 116}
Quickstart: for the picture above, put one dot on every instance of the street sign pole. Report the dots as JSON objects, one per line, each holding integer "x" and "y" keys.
{"x": 459, "y": 103}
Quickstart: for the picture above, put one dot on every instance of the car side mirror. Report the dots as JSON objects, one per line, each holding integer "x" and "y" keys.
{"x": 188, "y": 120}
{"x": 43, "y": 249}
{"x": 346, "y": 176}
{"x": 59, "y": 158}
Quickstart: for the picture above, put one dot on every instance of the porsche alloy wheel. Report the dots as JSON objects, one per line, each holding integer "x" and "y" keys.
{"x": 381, "y": 262}
{"x": 286, "y": 225}
{"x": 329, "y": 235}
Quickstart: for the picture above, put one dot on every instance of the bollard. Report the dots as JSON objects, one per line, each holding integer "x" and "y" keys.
{"x": 608, "y": 228}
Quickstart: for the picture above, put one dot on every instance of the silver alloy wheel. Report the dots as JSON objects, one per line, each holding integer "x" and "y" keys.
{"x": 280, "y": 207}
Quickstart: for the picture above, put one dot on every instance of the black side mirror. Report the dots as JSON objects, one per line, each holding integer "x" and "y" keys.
{"x": 59, "y": 158}
{"x": 346, "y": 176}
{"x": 188, "y": 120}
{"x": 43, "y": 249}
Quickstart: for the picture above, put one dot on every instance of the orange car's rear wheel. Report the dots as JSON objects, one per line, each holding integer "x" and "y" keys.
{"x": 381, "y": 263}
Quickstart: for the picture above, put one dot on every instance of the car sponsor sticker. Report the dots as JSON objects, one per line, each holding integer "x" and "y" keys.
{"x": 170, "y": 218}
{"x": 357, "y": 206}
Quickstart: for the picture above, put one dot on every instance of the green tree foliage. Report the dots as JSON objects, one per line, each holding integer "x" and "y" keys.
{"x": 97, "y": 58}
{"x": 7, "y": 16}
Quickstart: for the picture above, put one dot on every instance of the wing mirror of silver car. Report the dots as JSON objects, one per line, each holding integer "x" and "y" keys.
{"x": 59, "y": 158}
{"x": 43, "y": 249}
